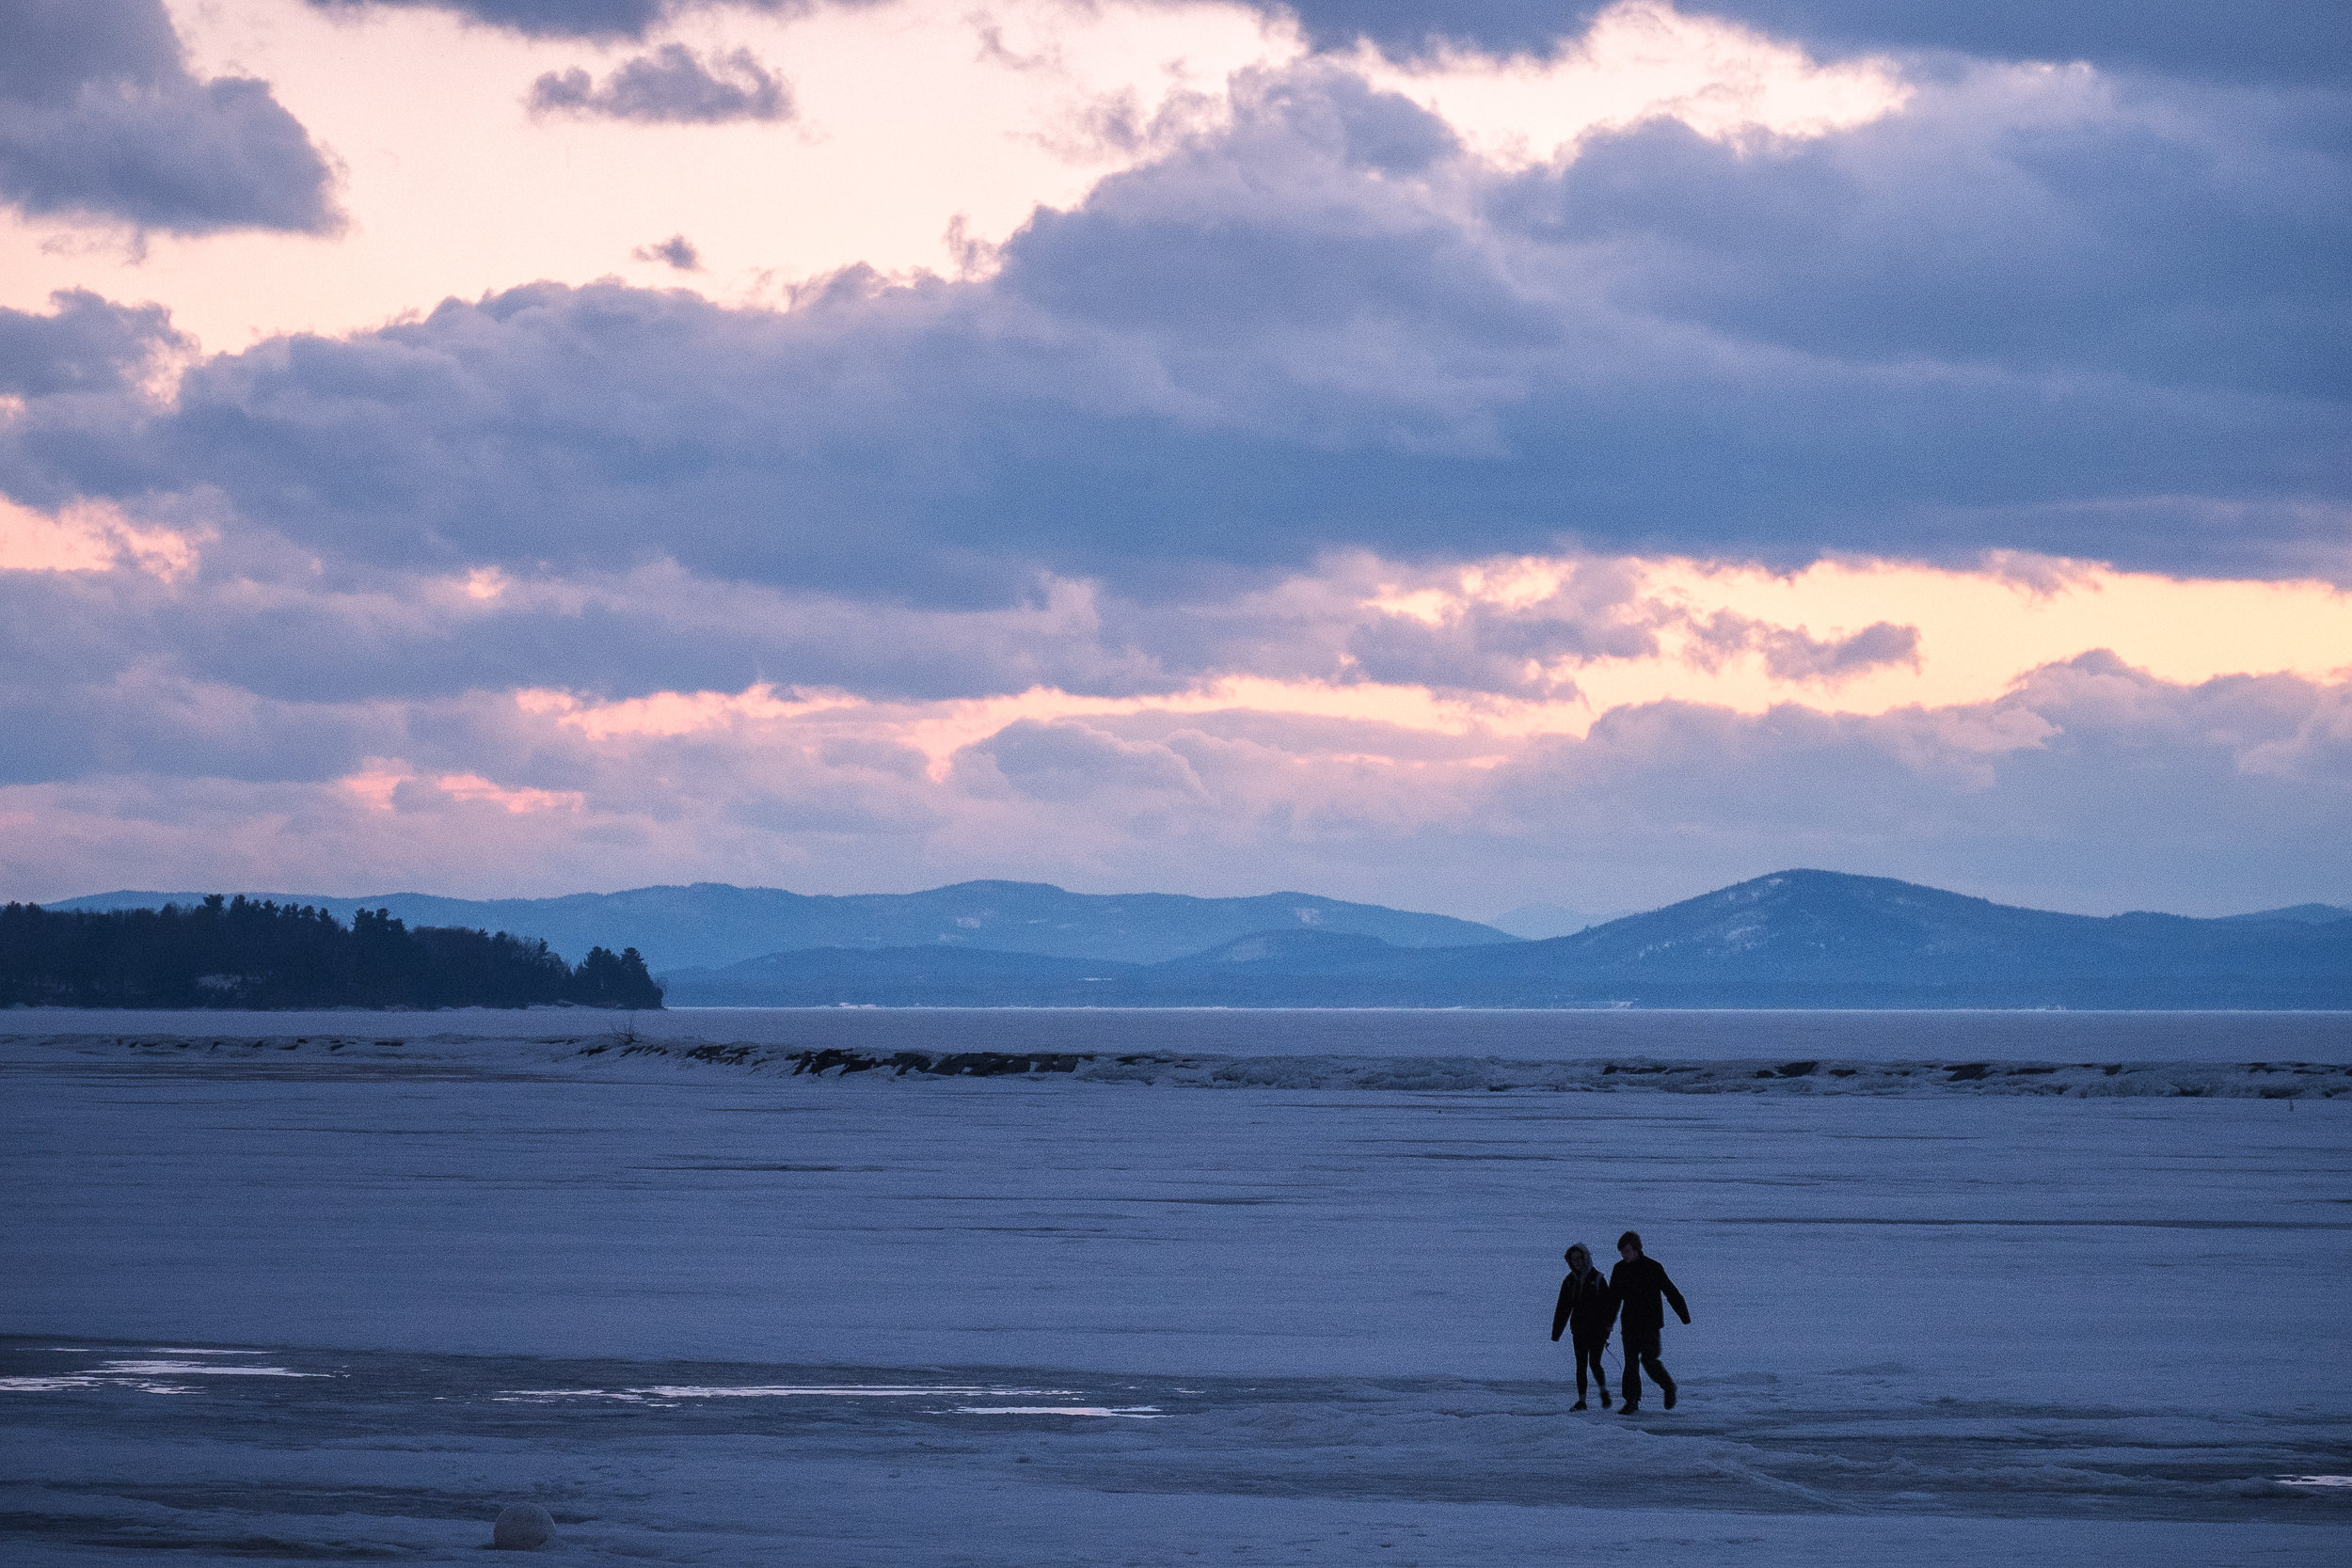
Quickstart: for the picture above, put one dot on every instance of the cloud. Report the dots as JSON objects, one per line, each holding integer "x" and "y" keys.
{"x": 1066, "y": 762}
{"x": 145, "y": 720}
{"x": 1954, "y": 329}
{"x": 2290, "y": 41}
{"x": 544, "y": 18}
{"x": 83, "y": 345}
{"x": 257, "y": 616}
{"x": 92, "y": 536}
{"x": 1791, "y": 654}
{"x": 2023, "y": 223}
{"x": 2091, "y": 786}
{"x": 1521, "y": 645}
{"x": 1336, "y": 499}
{"x": 676, "y": 251}
{"x": 1639, "y": 60}
{"x": 670, "y": 85}
{"x": 2076, "y": 790}
{"x": 99, "y": 116}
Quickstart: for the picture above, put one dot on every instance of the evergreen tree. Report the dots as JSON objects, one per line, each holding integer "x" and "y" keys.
{"x": 604, "y": 980}
{"x": 257, "y": 953}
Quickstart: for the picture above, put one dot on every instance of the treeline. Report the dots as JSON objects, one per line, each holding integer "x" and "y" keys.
{"x": 243, "y": 953}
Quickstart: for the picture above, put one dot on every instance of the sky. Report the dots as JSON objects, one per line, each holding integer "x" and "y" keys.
{"x": 1453, "y": 456}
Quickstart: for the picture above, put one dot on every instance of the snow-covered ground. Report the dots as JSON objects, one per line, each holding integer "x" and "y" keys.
{"x": 345, "y": 1304}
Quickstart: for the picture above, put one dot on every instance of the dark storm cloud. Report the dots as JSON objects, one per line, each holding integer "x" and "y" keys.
{"x": 672, "y": 84}
{"x": 2073, "y": 322}
{"x": 2281, "y": 41}
{"x": 99, "y": 115}
{"x": 84, "y": 343}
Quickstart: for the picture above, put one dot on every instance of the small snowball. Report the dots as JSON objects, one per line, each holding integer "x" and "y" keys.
{"x": 520, "y": 1526}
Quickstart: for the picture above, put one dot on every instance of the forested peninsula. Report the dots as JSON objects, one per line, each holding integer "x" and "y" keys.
{"x": 247, "y": 953}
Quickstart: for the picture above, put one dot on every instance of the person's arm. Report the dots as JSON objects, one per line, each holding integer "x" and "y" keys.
{"x": 1674, "y": 1296}
{"x": 1560, "y": 1313}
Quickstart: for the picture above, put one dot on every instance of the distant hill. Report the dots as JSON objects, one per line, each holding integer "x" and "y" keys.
{"x": 1823, "y": 939}
{"x": 713, "y": 925}
{"x": 2306, "y": 914}
{"x": 1796, "y": 939}
{"x": 1535, "y": 922}
{"x": 1283, "y": 952}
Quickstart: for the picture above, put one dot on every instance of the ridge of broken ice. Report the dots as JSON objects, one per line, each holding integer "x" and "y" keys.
{"x": 619, "y": 1051}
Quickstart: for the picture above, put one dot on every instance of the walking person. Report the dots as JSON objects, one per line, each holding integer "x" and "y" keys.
{"x": 1587, "y": 1307}
{"x": 1638, "y": 1282}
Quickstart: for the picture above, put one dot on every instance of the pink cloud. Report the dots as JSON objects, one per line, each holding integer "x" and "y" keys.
{"x": 2048, "y": 793}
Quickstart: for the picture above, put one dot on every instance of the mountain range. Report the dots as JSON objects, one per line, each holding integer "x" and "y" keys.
{"x": 713, "y": 924}
{"x": 1795, "y": 938}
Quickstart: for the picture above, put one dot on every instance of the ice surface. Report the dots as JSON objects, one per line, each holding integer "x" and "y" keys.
{"x": 713, "y": 1312}
{"x": 1544, "y": 1035}
{"x": 624, "y": 1053}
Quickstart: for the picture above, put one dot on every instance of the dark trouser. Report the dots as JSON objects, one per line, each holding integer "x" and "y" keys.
{"x": 1641, "y": 1350}
{"x": 1588, "y": 1353}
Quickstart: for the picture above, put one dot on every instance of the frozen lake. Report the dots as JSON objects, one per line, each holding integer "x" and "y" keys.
{"x": 1525, "y": 1034}
{"x": 308, "y": 1308}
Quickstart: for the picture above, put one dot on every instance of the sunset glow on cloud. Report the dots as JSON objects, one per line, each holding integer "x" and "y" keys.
{"x": 1187, "y": 446}
{"x": 931, "y": 128}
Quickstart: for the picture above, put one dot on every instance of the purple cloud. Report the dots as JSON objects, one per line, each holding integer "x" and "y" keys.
{"x": 547, "y": 18}
{"x": 1265, "y": 347}
{"x": 1191, "y": 427}
{"x": 2291, "y": 40}
{"x": 1067, "y": 761}
{"x": 2055, "y": 795}
{"x": 2051, "y": 794}
{"x": 82, "y": 344}
{"x": 676, "y": 251}
{"x": 670, "y": 85}
{"x": 1791, "y": 655}
{"x": 99, "y": 116}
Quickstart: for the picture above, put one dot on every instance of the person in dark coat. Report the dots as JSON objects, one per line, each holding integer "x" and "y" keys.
{"x": 1639, "y": 1282}
{"x": 1587, "y": 1307}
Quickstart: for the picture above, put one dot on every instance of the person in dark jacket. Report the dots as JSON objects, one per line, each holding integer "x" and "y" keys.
{"x": 1587, "y": 1307}
{"x": 1638, "y": 1282}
